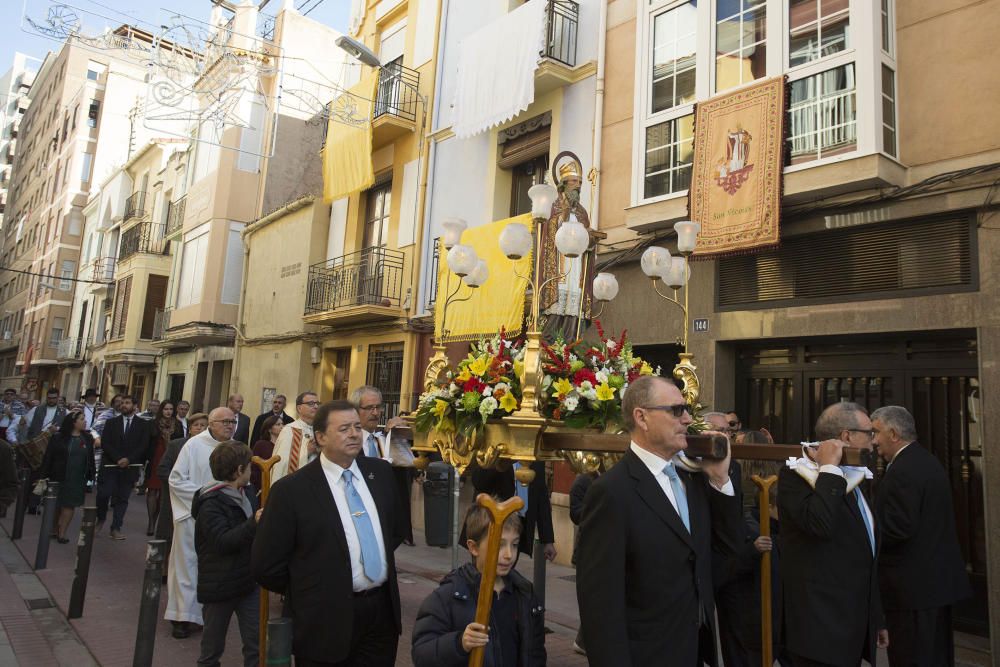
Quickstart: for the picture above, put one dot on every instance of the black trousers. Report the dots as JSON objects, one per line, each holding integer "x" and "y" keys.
{"x": 373, "y": 639}
{"x": 920, "y": 638}
{"x": 115, "y": 487}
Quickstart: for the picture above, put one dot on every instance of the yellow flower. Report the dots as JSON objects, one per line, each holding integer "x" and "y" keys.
{"x": 646, "y": 369}
{"x": 440, "y": 406}
{"x": 508, "y": 402}
{"x": 562, "y": 386}
{"x": 480, "y": 365}
{"x": 605, "y": 392}
{"x": 518, "y": 369}
{"x": 464, "y": 375}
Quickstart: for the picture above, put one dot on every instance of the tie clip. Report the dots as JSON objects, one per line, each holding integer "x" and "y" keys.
{"x": 358, "y": 514}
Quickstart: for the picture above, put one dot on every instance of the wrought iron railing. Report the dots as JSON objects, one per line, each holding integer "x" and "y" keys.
{"x": 161, "y": 322}
{"x": 397, "y": 92}
{"x": 562, "y": 21}
{"x": 135, "y": 205}
{"x": 373, "y": 276}
{"x": 265, "y": 26}
{"x": 146, "y": 237}
{"x": 72, "y": 348}
{"x": 175, "y": 215}
{"x": 104, "y": 269}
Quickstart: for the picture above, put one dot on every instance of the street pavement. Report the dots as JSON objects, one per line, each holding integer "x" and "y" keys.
{"x": 106, "y": 633}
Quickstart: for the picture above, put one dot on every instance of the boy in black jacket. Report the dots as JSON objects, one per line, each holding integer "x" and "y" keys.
{"x": 225, "y": 523}
{"x": 445, "y": 632}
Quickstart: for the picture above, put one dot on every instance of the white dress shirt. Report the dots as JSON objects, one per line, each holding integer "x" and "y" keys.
{"x": 90, "y": 413}
{"x": 334, "y": 477}
{"x": 656, "y": 464}
{"x": 383, "y": 451}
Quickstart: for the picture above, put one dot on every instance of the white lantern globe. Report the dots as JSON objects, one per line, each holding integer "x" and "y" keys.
{"x": 655, "y": 262}
{"x": 515, "y": 241}
{"x": 453, "y": 228}
{"x": 677, "y": 275}
{"x": 605, "y": 286}
{"x": 572, "y": 238}
{"x": 542, "y": 197}
{"x": 462, "y": 260}
{"x": 478, "y": 275}
{"x": 687, "y": 236}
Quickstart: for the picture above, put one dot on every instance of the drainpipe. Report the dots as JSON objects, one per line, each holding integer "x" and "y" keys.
{"x": 599, "y": 109}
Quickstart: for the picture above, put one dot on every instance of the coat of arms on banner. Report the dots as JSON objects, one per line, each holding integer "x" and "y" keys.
{"x": 736, "y": 175}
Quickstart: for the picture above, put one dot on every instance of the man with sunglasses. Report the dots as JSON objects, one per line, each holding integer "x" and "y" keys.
{"x": 296, "y": 444}
{"x": 644, "y": 561}
{"x": 833, "y": 613}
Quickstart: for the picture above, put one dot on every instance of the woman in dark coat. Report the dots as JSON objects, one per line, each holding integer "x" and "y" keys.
{"x": 69, "y": 460}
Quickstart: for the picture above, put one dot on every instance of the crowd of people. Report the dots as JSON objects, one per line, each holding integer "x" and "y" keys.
{"x": 667, "y": 559}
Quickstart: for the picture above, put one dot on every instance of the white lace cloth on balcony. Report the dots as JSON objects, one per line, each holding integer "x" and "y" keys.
{"x": 496, "y": 69}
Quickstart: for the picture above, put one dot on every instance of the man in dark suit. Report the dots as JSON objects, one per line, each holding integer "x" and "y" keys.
{"x": 644, "y": 561}
{"x": 537, "y": 510}
{"x": 126, "y": 440}
{"x": 278, "y": 409}
{"x": 242, "y": 434}
{"x": 326, "y": 540}
{"x": 833, "y": 612}
{"x": 920, "y": 566}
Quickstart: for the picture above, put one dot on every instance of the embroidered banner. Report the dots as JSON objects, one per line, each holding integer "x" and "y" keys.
{"x": 736, "y": 182}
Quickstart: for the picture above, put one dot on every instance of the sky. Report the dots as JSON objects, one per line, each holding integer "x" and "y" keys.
{"x": 16, "y": 34}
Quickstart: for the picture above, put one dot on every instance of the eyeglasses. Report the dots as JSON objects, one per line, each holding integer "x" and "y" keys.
{"x": 311, "y": 404}
{"x": 676, "y": 410}
{"x": 868, "y": 432}
{"x": 371, "y": 408}
{"x": 227, "y": 422}
{"x": 734, "y": 424}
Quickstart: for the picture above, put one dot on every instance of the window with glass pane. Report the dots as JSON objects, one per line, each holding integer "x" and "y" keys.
{"x": 886, "y": 28}
{"x": 674, "y": 57}
{"x": 740, "y": 40}
{"x": 888, "y": 111}
{"x": 817, "y": 28}
{"x": 669, "y": 151}
{"x": 822, "y": 116}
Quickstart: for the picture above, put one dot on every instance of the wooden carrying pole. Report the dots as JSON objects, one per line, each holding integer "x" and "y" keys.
{"x": 498, "y": 514}
{"x": 766, "y": 647}
{"x": 265, "y": 466}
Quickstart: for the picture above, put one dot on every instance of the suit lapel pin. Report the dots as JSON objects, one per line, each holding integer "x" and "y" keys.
{"x": 371, "y": 475}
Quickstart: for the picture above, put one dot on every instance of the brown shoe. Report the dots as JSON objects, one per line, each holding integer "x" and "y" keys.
{"x": 115, "y": 535}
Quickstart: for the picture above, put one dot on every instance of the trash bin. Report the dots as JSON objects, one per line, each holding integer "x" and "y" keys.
{"x": 438, "y": 504}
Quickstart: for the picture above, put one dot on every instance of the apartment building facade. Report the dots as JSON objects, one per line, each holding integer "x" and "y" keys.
{"x": 80, "y": 95}
{"x": 14, "y": 86}
{"x": 882, "y": 290}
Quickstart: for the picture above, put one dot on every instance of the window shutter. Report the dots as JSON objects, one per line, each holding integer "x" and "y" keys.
{"x": 156, "y": 299}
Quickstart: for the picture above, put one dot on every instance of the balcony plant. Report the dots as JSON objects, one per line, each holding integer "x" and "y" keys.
{"x": 484, "y": 386}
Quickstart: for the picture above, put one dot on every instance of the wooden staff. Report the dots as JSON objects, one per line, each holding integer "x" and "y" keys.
{"x": 498, "y": 514}
{"x": 265, "y": 466}
{"x": 766, "y": 648}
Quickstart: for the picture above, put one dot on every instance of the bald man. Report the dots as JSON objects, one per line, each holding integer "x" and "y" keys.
{"x": 190, "y": 473}
{"x": 242, "y": 434}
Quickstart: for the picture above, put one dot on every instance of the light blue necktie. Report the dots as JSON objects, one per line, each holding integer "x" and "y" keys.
{"x": 680, "y": 494}
{"x": 372, "y": 446}
{"x": 521, "y": 490}
{"x": 864, "y": 516}
{"x": 370, "y": 557}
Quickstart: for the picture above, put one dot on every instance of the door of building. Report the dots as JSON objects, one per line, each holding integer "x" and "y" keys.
{"x": 385, "y": 371}
{"x": 784, "y": 385}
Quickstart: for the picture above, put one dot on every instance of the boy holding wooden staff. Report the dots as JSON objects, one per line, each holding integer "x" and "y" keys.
{"x": 446, "y": 633}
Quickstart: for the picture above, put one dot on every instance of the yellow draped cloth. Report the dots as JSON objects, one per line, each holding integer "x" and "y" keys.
{"x": 498, "y": 303}
{"x": 347, "y": 155}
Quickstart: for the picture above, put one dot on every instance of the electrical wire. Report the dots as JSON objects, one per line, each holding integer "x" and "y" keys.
{"x": 59, "y": 278}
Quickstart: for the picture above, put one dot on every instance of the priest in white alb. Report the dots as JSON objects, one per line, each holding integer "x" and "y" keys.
{"x": 190, "y": 473}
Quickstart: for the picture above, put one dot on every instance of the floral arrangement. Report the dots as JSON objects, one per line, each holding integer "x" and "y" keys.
{"x": 485, "y": 385}
{"x": 583, "y": 384}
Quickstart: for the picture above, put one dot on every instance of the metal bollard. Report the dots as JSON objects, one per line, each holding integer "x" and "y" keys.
{"x": 149, "y": 606}
{"x": 538, "y": 560}
{"x": 279, "y": 642}
{"x": 84, "y": 547}
{"x": 45, "y": 530}
{"x": 21, "y": 506}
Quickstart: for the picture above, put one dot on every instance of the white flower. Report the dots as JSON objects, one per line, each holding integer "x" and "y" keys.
{"x": 589, "y": 394}
{"x": 487, "y": 406}
{"x": 611, "y": 345}
{"x": 602, "y": 376}
{"x": 453, "y": 388}
{"x": 487, "y": 392}
{"x": 502, "y": 386}
{"x": 573, "y": 357}
{"x": 546, "y": 381}
{"x": 570, "y": 403}
{"x": 586, "y": 385}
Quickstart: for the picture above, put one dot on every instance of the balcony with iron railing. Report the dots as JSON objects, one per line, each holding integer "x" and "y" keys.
{"x": 161, "y": 322}
{"x": 71, "y": 350}
{"x": 394, "y": 112}
{"x": 144, "y": 238}
{"x": 103, "y": 269}
{"x": 135, "y": 206}
{"x": 175, "y": 216}
{"x": 557, "y": 66}
{"x": 364, "y": 286}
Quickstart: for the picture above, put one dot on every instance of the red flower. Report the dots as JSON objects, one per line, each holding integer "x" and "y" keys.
{"x": 585, "y": 374}
{"x": 473, "y": 384}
